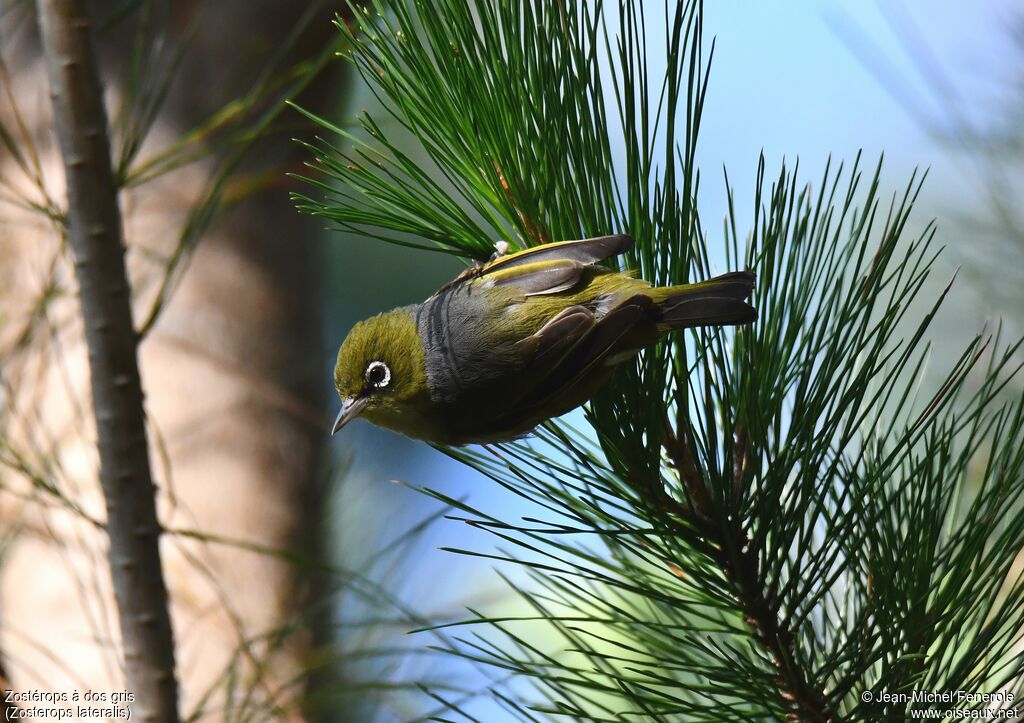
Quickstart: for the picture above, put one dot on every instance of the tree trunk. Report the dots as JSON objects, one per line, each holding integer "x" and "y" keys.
{"x": 231, "y": 373}
{"x": 94, "y": 230}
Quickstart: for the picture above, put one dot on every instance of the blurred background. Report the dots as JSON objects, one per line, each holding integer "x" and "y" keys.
{"x": 342, "y": 555}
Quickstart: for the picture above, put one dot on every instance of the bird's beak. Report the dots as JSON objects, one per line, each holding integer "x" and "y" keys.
{"x": 350, "y": 409}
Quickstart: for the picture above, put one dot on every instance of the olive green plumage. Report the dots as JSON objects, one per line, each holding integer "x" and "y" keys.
{"x": 519, "y": 340}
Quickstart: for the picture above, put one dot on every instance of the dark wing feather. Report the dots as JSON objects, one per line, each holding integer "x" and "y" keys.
{"x": 552, "y": 341}
{"x": 547, "y": 269}
{"x": 588, "y": 251}
{"x": 544, "y": 277}
{"x": 589, "y": 349}
{"x": 558, "y": 266}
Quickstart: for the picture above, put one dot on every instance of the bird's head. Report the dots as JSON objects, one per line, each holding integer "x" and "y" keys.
{"x": 380, "y": 373}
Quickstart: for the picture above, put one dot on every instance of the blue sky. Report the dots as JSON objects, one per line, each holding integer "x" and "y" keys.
{"x": 810, "y": 78}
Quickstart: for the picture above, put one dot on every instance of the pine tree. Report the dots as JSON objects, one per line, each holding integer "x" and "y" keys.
{"x": 764, "y": 524}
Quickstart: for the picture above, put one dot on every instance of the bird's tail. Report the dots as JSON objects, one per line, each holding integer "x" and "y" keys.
{"x": 720, "y": 301}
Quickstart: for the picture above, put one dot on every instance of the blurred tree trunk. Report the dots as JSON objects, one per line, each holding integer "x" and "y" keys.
{"x": 230, "y": 372}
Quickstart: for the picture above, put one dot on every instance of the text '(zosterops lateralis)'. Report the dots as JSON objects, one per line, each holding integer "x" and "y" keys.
{"x": 517, "y": 341}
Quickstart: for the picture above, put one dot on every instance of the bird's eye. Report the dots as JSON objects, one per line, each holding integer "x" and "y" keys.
{"x": 378, "y": 375}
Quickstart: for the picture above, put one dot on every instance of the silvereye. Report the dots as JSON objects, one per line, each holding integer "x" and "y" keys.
{"x": 516, "y": 341}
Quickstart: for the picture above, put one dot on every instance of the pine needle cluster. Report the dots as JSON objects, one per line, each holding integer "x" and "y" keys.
{"x": 774, "y": 523}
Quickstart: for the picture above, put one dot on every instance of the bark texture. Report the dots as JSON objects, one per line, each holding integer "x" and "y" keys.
{"x": 94, "y": 231}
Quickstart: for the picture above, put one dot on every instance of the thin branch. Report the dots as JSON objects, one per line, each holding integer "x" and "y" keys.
{"x": 94, "y": 231}
{"x": 733, "y": 551}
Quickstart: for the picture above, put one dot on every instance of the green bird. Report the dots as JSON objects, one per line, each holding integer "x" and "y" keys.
{"x": 521, "y": 339}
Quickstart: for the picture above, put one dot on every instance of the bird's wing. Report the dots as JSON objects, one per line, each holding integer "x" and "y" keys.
{"x": 549, "y": 344}
{"x": 586, "y": 252}
{"x": 549, "y": 276}
{"x": 547, "y": 269}
{"x": 572, "y": 344}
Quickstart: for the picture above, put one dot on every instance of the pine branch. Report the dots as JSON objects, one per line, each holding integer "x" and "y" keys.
{"x": 94, "y": 231}
{"x": 804, "y": 531}
{"x": 738, "y": 557}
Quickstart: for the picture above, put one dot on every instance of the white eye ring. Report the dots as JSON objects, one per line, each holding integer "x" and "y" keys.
{"x": 378, "y": 375}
